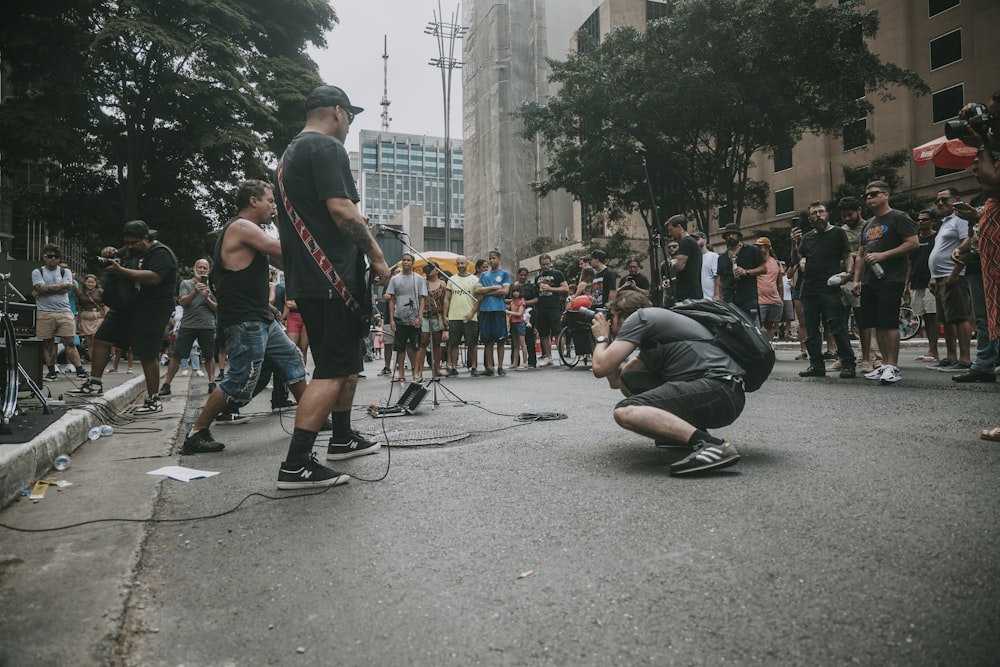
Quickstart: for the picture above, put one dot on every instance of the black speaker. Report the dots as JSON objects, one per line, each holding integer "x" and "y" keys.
{"x": 29, "y": 355}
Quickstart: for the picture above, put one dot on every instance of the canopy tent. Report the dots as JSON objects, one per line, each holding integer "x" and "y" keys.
{"x": 444, "y": 259}
{"x": 945, "y": 153}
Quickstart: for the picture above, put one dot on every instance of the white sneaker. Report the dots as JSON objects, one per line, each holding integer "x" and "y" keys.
{"x": 70, "y": 368}
{"x": 185, "y": 372}
{"x": 200, "y": 373}
{"x": 543, "y": 361}
{"x": 891, "y": 375}
{"x": 875, "y": 374}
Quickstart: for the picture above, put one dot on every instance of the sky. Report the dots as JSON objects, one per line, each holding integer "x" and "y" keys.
{"x": 352, "y": 60}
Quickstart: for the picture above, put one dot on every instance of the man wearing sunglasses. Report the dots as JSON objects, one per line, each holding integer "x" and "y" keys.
{"x": 320, "y": 225}
{"x": 51, "y": 285}
{"x": 886, "y": 241}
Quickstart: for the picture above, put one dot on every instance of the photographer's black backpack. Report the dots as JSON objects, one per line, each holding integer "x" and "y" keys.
{"x": 737, "y": 335}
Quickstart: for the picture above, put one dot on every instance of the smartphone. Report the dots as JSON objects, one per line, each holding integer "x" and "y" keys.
{"x": 203, "y": 280}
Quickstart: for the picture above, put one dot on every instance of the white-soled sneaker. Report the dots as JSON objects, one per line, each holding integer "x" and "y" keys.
{"x": 891, "y": 375}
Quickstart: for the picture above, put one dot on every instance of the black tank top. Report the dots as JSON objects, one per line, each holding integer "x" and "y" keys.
{"x": 243, "y": 295}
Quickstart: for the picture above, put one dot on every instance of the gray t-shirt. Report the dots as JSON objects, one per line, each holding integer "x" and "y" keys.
{"x": 52, "y": 303}
{"x": 198, "y": 314}
{"x": 407, "y": 291}
{"x": 683, "y": 348}
{"x": 950, "y": 234}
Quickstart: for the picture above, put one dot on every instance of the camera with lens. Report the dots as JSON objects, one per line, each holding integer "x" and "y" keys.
{"x": 588, "y": 315}
{"x": 977, "y": 121}
{"x": 105, "y": 261}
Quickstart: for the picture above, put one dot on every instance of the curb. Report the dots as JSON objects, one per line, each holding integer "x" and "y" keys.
{"x": 27, "y": 462}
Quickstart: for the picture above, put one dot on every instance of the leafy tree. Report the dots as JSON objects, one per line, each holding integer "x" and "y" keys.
{"x": 154, "y": 110}
{"x": 882, "y": 168}
{"x": 697, "y": 95}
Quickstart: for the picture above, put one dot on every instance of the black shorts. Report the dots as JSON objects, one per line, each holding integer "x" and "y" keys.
{"x": 880, "y": 305}
{"x": 335, "y": 337}
{"x": 186, "y": 338}
{"x": 407, "y": 335}
{"x": 547, "y": 322}
{"x": 139, "y": 328}
{"x": 460, "y": 329}
{"x": 704, "y": 403}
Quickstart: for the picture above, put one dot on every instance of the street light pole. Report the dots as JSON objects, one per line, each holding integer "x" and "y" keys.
{"x": 446, "y": 32}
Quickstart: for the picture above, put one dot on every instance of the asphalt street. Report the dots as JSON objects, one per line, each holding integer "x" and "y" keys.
{"x": 860, "y": 527}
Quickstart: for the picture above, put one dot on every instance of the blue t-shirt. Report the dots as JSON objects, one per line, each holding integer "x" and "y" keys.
{"x": 492, "y": 279}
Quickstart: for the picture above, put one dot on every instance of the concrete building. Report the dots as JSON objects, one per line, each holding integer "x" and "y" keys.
{"x": 504, "y": 56}
{"x": 951, "y": 44}
{"x": 396, "y": 170}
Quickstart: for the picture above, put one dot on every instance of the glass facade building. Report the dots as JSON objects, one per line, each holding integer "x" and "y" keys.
{"x": 396, "y": 170}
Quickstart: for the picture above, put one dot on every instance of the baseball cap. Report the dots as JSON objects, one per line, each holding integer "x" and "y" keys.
{"x": 137, "y": 229}
{"x": 599, "y": 255}
{"x": 700, "y": 235}
{"x": 763, "y": 240}
{"x": 330, "y": 96}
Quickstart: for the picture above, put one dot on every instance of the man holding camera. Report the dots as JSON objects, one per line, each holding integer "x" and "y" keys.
{"x": 681, "y": 384}
{"x": 198, "y": 323}
{"x": 140, "y": 292}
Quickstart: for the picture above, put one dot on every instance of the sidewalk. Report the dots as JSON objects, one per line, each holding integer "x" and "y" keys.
{"x": 21, "y": 465}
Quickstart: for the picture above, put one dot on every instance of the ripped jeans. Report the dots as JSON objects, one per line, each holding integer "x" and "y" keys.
{"x": 247, "y": 345}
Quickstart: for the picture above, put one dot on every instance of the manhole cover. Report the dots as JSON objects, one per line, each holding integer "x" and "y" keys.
{"x": 418, "y": 437}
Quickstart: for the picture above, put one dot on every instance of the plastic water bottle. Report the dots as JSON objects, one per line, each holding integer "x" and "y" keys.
{"x": 878, "y": 270}
{"x": 107, "y": 429}
{"x": 61, "y": 462}
{"x": 94, "y": 433}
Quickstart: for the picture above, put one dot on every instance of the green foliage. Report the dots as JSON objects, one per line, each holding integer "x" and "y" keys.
{"x": 882, "y": 168}
{"x": 617, "y": 246}
{"x": 702, "y": 92}
{"x": 154, "y": 110}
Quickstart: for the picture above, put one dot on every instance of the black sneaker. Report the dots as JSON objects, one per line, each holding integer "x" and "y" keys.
{"x": 356, "y": 445}
{"x": 706, "y": 456}
{"x": 201, "y": 442}
{"x": 82, "y": 374}
{"x": 165, "y": 389}
{"x": 452, "y": 372}
{"x": 488, "y": 372}
{"x": 308, "y": 474}
{"x": 848, "y": 372}
{"x": 474, "y": 373}
{"x": 231, "y": 418}
{"x": 385, "y": 371}
{"x": 211, "y": 387}
{"x": 88, "y": 388}
{"x": 813, "y": 372}
{"x": 501, "y": 372}
{"x": 974, "y": 376}
{"x": 151, "y": 405}
{"x": 829, "y": 355}
{"x": 51, "y": 376}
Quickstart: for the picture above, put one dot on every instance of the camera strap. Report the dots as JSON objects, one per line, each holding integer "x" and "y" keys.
{"x": 316, "y": 252}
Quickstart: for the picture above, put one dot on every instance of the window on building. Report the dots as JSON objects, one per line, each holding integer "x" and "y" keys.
{"x": 782, "y": 159}
{"x": 856, "y": 134}
{"x": 947, "y": 103}
{"x": 784, "y": 201}
{"x": 592, "y": 27}
{"x": 935, "y": 7}
{"x": 946, "y": 49}
{"x": 656, "y": 9}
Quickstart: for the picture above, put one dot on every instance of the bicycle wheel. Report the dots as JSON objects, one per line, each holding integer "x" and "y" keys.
{"x": 909, "y": 323}
{"x": 8, "y": 369}
{"x": 567, "y": 350}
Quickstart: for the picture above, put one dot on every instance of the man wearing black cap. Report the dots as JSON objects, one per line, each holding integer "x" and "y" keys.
{"x": 145, "y": 274}
{"x": 739, "y": 267}
{"x": 605, "y": 284}
{"x": 320, "y": 225}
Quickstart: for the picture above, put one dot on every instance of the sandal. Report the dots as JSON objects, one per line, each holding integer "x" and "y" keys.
{"x": 926, "y": 357}
{"x": 992, "y": 434}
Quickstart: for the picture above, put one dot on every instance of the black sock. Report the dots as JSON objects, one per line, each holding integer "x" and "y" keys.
{"x": 700, "y": 435}
{"x": 52, "y": 368}
{"x": 301, "y": 445}
{"x": 341, "y": 425}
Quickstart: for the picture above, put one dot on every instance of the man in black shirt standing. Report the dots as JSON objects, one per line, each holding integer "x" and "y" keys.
{"x": 605, "y": 283}
{"x": 827, "y": 252}
{"x": 323, "y": 233}
{"x": 739, "y": 267}
{"x": 686, "y": 263}
{"x": 552, "y": 292}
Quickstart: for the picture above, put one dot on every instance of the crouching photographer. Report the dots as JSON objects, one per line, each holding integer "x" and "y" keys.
{"x": 681, "y": 384}
{"x": 139, "y": 289}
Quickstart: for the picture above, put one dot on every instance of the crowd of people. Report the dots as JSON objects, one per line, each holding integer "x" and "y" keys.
{"x": 237, "y": 315}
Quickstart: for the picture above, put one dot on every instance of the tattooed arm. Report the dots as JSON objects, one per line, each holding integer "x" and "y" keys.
{"x": 346, "y": 216}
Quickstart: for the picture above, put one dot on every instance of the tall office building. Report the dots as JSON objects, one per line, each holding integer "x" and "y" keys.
{"x": 396, "y": 170}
